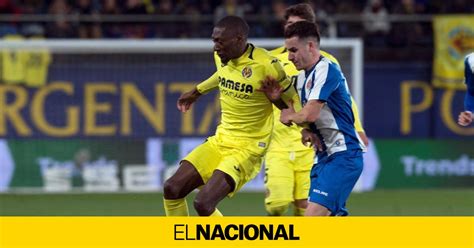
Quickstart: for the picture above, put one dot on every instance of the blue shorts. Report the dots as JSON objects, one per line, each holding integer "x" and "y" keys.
{"x": 333, "y": 178}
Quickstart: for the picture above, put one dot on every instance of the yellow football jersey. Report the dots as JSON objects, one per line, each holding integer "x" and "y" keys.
{"x": 246, "y": 112}
{"x": 289, "y": 138}
{"x": 13, "y": 63}
{"x": 37, "y": 65}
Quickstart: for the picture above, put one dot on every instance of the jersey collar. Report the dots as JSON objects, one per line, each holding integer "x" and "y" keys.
{"x": 307, "y": 72}
{"x": 248, "y": 55}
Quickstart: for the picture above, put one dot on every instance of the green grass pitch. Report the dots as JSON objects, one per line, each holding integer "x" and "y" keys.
{"x": 433, "y": 202}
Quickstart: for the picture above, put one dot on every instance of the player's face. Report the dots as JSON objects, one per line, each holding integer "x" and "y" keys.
{"x": 293, "y": 19}
{"x": 226, "y": 45}
{"x": 298, "y": 52}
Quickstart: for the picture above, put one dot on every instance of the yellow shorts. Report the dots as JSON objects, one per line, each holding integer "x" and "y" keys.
{"x": 237, "y": 161}
{"x": 287, "y": 175}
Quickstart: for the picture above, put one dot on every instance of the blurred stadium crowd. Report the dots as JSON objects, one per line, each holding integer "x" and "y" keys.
{"x": 382, "y": 24}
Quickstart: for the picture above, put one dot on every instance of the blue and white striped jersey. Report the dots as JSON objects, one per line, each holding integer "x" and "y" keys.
{"x": 335, "y": 126}
{"x": 469, "y": 75}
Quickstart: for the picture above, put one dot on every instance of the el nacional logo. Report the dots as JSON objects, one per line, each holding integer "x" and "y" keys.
{"x": 246, "y": 72}
{"x": 234, "y": 232}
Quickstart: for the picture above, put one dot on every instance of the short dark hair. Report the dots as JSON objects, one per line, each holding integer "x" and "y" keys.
{"x": 302, "y": 10}
{"x": 235, "y": 23}
{"x": 302, "y": 30}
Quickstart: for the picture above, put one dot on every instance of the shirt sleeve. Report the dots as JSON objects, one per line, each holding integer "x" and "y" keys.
{"x": 209, "y": 84}
{"x": 277, "y": 71}
{"x": 322, "y": 82}
{"x": 289, "y": 93}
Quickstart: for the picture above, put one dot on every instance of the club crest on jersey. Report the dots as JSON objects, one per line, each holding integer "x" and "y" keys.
{"x": 309, "y": 84}
{"x": 246, "y": 72}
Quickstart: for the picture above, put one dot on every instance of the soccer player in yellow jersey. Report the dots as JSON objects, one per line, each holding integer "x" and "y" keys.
{"x": 288, "y": 162}
{"x": 233, "y": 156}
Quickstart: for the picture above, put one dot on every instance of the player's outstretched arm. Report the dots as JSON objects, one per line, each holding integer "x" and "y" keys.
{"x": 309, "y": 114}
{"x": 358, "y": 124}
{"x": 209, "y": 84}
{"x": 364, "y": 138}
{"x": 187, "y": 99}
{"x": 308, "y": 138}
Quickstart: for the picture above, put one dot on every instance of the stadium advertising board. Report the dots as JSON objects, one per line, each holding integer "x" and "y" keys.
{"x": 101, "y": 109}
{"x": 110, "y": 109}
{"x": 95, "y": 165}
{"x": 139, "y": 102}
{"x": 67, "y": 164}
{"x": 60, "y": 165}
{"x": 405, "y": 105}
{"x": 425, "y": 163}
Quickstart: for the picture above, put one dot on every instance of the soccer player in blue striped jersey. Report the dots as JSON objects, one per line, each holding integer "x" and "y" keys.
{"x": 327, "y": 111}
{"x": 288, "y": 161}
{"x": 465, "y": 117}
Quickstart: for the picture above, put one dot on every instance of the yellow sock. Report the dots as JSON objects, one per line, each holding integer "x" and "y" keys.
{"x": 299, "y": 211}
{"x": 216, "y": 213}
{"x": 178, "y": 207}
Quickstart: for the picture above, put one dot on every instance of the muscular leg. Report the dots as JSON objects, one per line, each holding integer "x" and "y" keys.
{"x": 177, "y": 187}
{"x": 217, "y": 188}
{"x": 315, "y": 209}
{"x": 185, "y": 180}
{"x": 279, "y": 183}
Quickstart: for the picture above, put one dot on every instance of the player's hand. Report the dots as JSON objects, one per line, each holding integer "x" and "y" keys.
{"x": 285, "y": 116}
{"x": 271, "y": 88}
{"x": 465, "y": 118}
{"x": 187, "y": 99}
{"x": 308, "y": 138}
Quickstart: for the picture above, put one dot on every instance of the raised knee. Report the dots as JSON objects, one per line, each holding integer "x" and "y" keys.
{"x": 203, "y": 208}
{"x": 276, "y": 209}
{"x": 171, "y": 190}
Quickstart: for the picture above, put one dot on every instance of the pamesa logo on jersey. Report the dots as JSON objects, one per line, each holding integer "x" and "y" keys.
{"x": 247, "y": 72}
{"x": 236, "y": 86}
